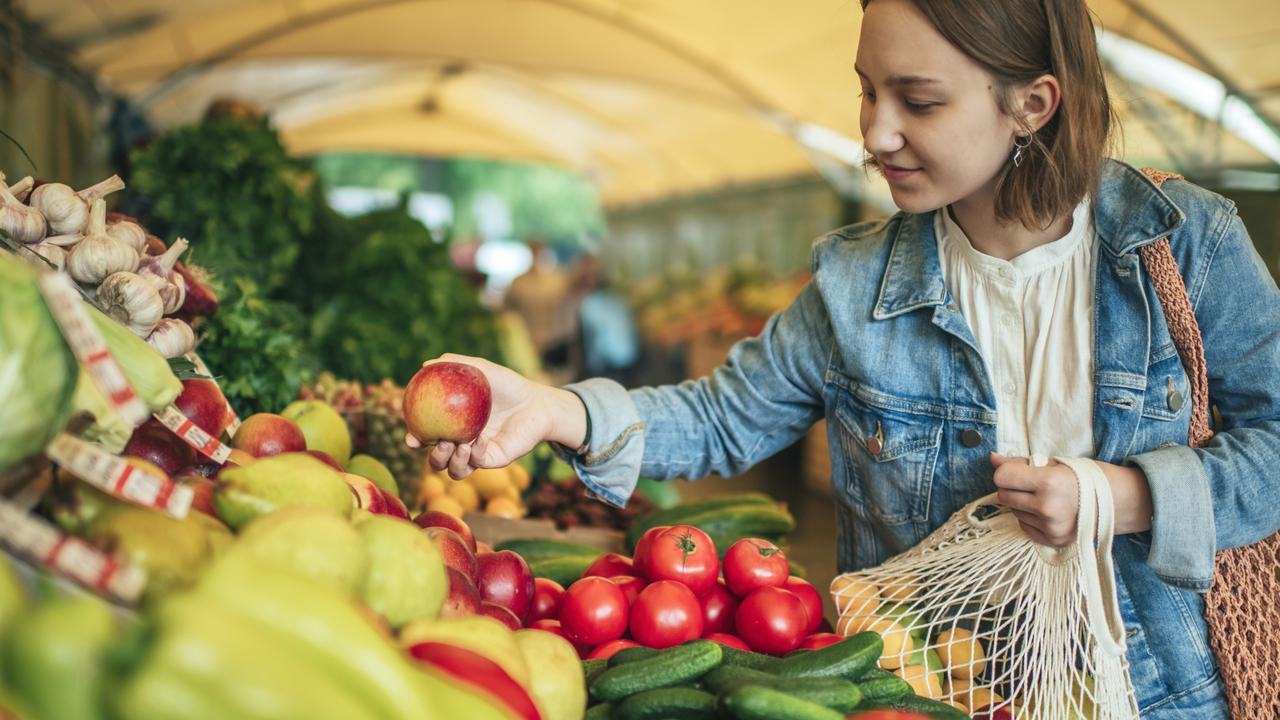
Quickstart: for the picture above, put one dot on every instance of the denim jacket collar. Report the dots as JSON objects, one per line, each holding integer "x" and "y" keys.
{"x": 1129, "y": 212}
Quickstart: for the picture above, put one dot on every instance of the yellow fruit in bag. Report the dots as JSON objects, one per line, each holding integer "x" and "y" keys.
{"x": 854, "y": 594}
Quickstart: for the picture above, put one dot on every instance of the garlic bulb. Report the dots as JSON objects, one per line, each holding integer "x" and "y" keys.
{"x": 51, "y": 254}
{"x": 130, "y": 234}
{"x": 63, "y": 241}
{"x": 172, "y": 286}
{"x": 98, "y": 255}
{"x": 22, "y": 188}
{"x": 68, "y": 210}
{"x": 24, "y": 223}
{"x": 172, "y": 338}
{"x": 131, "y": 300}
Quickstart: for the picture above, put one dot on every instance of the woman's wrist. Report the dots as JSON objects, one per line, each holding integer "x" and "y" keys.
{"x": 1132, "y": 497}
{"x": 568, "y": 417}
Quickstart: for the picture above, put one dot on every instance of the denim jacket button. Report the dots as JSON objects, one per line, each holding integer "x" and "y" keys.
{"x": 1175, "y": 400}
{"x": 971, "y": 438}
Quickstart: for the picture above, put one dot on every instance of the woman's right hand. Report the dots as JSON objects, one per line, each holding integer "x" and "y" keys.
{"x": 524, "y": 413}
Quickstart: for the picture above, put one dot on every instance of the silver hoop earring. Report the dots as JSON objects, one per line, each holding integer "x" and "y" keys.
{"x": 1018, "y": 147}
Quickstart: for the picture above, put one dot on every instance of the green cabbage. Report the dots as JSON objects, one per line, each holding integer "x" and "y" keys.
{"x": 37, "y": 369}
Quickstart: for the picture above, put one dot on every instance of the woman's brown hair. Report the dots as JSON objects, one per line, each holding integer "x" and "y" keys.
{"x": 1017, "y": 41}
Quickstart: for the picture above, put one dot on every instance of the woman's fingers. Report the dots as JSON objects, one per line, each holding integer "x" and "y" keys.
{"x": 460, "y": 462}
{"x": 439, "y": 456}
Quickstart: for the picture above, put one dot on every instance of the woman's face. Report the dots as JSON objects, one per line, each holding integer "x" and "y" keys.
{"x": 929, "y": 114}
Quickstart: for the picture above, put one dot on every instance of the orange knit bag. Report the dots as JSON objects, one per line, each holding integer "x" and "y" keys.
{"x": 1242, "y": 608}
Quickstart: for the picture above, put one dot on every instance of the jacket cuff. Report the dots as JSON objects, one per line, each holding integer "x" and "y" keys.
{"x": 611, "y": 466}
{"x": 1183, "y": 537}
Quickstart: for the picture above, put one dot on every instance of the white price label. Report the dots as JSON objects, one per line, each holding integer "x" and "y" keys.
{"x": 114, "y": 475}
{"x": 68, "y": 556}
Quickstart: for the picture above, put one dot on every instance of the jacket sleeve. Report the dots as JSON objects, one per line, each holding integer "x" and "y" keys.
{"x": 765, "y": 396}
{"x": 1224, "y": 495}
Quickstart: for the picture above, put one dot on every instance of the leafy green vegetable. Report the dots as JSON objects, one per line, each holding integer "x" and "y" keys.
{"x": 37, "y": 369}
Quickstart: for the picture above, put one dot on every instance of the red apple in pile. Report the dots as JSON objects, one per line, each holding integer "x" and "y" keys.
{"x": 435, "y": 518}
{"x": 463, "y": 597}
{"x": 447, "y": 401}
{"x": 505, "y": 579}
{"x": 395, "y": 506}
{"x": 500, "y": 613}
{"x": 325, "y": 458}
{"x": 369, "y": 496}
{"x": 157, "y": 444}
{"x": 455, "y": 551}
{"x": 267, "y": 434}
{"x": 203, "y": 488}
{"x": 203, "y": 403}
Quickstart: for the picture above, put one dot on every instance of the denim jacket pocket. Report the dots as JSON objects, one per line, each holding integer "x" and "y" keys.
{"x": 890, "y": 455}
{"x": 1168, "y": 394}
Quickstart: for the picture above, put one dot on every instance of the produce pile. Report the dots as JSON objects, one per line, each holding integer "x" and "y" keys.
{"x": 733, "y": 303}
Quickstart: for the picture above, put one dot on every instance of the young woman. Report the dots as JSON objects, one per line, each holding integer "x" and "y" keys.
{"x": 1003, "y": 312}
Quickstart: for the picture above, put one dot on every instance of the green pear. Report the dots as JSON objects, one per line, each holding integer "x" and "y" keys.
{"x": 310, "y": 542}
{"x": 371, "y": 467}
{"x": 556, "y": 685}
{"x": 480, "y": 634}
{"x": 216, "y": 531}
{"x": 171, "y": 551}
{"x": 284, "y": 480}
{"x": 53, "y": 658}
{"x": 13, "y": 594}
{"x": 323, "y": 427}
{"x": 406, "y": 579}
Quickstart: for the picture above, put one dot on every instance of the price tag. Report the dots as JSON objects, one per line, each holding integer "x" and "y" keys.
{"x": 90, "y": 348}
{"x": 114, "y": 475}
{"x": 68, "y": 556}
{"x": 191, "y": 433}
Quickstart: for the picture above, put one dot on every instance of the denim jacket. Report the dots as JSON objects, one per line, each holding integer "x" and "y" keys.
{"x": 875, "y": 341}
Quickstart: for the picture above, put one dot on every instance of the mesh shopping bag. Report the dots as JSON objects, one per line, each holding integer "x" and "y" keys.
{"x": 983, "y": 618}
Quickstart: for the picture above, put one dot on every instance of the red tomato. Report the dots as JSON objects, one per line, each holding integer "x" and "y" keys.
{"x": 641, "y": 554}
{"x": 667, "y": 613}
{"x": 610, "y": 565}
{"x": 771, "y": 620}
{"x": 886, "y": 715}
{"x": 546, "y": 599}
{"x": 593, "y": 611}
{"x": 685, "y": 554}
{"x": 727, "y": 640}
{"x": 817, "y": 641}
{"x": 808, "y": 594}
{"x": 631, "y": 586}
{"x": 753, "y": 563}
{"x": 605, "y": 651}
{"x": 718, "y": 607}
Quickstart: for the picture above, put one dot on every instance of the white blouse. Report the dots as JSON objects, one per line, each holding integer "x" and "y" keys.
{"x": 1032, "y": 317}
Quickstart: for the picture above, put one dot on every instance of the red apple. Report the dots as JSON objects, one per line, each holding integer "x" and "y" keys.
{"x": 267, "y": 434}
{"x": 395, "y": 506}
{"x": 368, "y": 496}
{"x": 157, "y": 444}
{"x": 631, "y": 586}
{"x": 610, "y": 565}
{"x": 501, "y": 614}
{"x": 482, "y": 546}
{"x": 480, "y": 674}
{"x": 326, "y": 458}
{"x": 447, "y": 401}
{"x": 546, "y": 600}
{"x": 505, "y": 578}
{"x": 435, "y": 518}
{"x": 463, "y": 597}
{"x": 204, "y": 404}
{"x": 454, "y": 551}
{"x": 202, "y": 487}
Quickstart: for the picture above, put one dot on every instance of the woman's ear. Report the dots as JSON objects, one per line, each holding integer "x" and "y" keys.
{"x": 1037, "y": 101}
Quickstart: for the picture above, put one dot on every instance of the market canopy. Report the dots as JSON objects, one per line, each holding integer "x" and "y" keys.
{"x": 648, "y": 98}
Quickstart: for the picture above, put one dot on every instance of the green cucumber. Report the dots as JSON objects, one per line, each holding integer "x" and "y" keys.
{"x": 542, "y": 549}
{"x": 748, "y": 659}
{"x": 678, "y": 514}
{"x": 672, "y": 666}
{"x": 754, "y": 702}
{"x": 848, "y": 659}
{"x": 668, "y": 704}
{"x": 876, "y": 673}
{"x": 883, "y": 689}
{"x": 725, "y": 527}
{"x": 603, "y": 711}
{"x": 566, "y": 569}
{"x": 632, "y": 654}
{"x": 834, "y": 693}
{"x": 914, "y": 703}
{"x": 593, "y": 667}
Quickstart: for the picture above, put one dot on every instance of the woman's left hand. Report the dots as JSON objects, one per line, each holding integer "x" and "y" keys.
{"x": 1046, "y": 500}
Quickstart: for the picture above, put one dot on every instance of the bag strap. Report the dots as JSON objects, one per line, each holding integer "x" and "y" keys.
{"x": 1095, "y": 532}
{"x": 1158, "y": 259}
